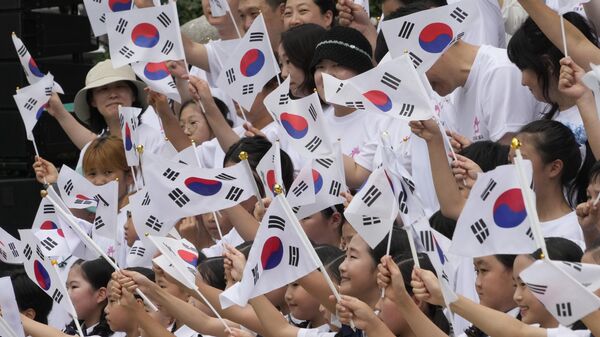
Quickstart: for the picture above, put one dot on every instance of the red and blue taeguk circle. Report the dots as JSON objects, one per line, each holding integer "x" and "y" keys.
{"x": 380, "y": 99}
{"x": 435, "y": 37}
{"x": 145, "y": 35}
{"x": 41, "y": 275}
{"x": 252, "y": 62}
{"x": 204, "y": 187}
{"x": 156, "y": 71}
{"x": 119, "y": 5}
{"x": 272, "y": 253}
{"x": 509, "y": 209}
{"x": 296, "y": 126}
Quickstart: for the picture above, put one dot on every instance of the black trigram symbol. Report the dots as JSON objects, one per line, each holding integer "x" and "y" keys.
{"x": 294, "y": 256}
{"x": 445, "y": 276}
{"x": 459, "y": 14}
{"x": 30, "y": 104}
{"x": 57, "y": 296}
{"x": 126, "y": 52}
{"x": 121, "y": 120}
{"x": 39, "y": 252}
{"x": 230, "y": 74}
{"x": 154, "y": 223}
{"x": 481, "y": 231}
{"x": 276, "y": 222}
{"x": 27, "y": 252}
{"x": 402, "y": 197}
{"x": 313, "y": 112}
{"x": 179, "y": 197}
{"x": 410, "y": 184}
{"x": 390, "y": 80}
{"x": 98, "y": 1}
{"x": 13, "y": 249}
{"x": 256, "y": 36}
{"x": 373, "y": 193}
{"x": 164, "y": 19}
{"x": 102, "y": 18}
{"x": 171, "y": 174}
{"x": 137, "y": 250}
{"x": 49, "y": 209}
{"x": 575, "y": 265}
{"x": 415, "y": 59}
{"x": 537, "y": 288}
{"x": 146, "y": 200}
{"x": 224, "y": 176}
{"x": 255, "y": 274}
{"x": 325, "y": 162}
{"x": 427, "y": 240}
{"x": 121, "y": 25}
{"x": 234, "y": 193}
{"x": 335, "y": 187}
{"x": 529, "y": 233}
{"x": 340, "y": 86}
{"x": 3, "y": 253}
{"x": 168, "y": 47}
{"x": 370, "y": 220}
{"x": 356, "y": 105}
{"x": 22, "y": 51}
{"x": 406, "y": 110}
{"x": 313, "y": 144}
{"x": 172, "y": 84}
{"x": 99, "y": 198}
{"x": 48, "y": 243}
{"x": 247, "y": 89}
{"x": 284, "y": 99}
{"x": 302, "y": 186}
{"x": 406, "y": 29}
{"x": 564, "y": 309}
{"x": 488, "y": 189}
{"x": 98, "y": 223}
{"x": 295, "y": 209}
{"x": 48, "y": 90}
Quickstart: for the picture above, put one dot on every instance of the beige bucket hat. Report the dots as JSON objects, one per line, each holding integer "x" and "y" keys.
{"x": 101, "y": 74}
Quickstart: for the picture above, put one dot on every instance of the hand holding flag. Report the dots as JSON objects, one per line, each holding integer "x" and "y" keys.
{"x": 158, "y": 78}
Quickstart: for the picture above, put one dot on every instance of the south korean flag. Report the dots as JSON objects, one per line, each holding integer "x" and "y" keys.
{"x": 158, "y": 78}
{"x": 561, "y": 294}
{"x": 47, "y": 229}
{"x": 279, "y": 256}
{"x": 300, "y": 120}
{"x": 147, "y": 216}
{"x": 10, "y": 248}
{"x": 426, "y": 35}
{"x": 250, "y": 66}
{"x": 181, "y": 258}
{"x": 302, "y": 191}
{"x": 97, "y": 10}
{"x": 218, "y": 8}
{"x": 373, "y": 209}
{"x": 31, "y": 102}
{"x": 32, "y": 71}
{"x": 147, "y": 34}
{"x": 494, "y": 219}
{"x": 128, "y": 118}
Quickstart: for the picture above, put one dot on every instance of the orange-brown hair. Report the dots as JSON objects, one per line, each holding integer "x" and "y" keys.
{"x": 105, "y": 152}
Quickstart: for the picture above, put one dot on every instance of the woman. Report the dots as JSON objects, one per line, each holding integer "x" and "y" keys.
{"x": 319, "y": 12}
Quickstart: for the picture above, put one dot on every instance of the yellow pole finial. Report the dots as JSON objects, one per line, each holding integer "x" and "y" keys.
{"x": 277, "y": 189}
{"x": 140, "y": 148}
{"x": 243, "y": 155}
{"x": 43, "y": 193}
{"x": 515, "y": 143}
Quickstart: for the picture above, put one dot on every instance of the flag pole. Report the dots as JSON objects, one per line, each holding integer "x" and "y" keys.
{"x": 564, "y": 35}
{"x": 37, "y": 153}
{"x": 277, "y": 161}
{"x": 73, "y": 313}
{"x": 94, "y": 245}
{"x": 237, "y": 30}
{"x": 244, "y": 158}
{"x": 137, "y": 187}
{"x": 527, "y": 197}
{"x": 447, "y": 140}
{"x": 277, "y": 71}
{"x": 140, "y": 150}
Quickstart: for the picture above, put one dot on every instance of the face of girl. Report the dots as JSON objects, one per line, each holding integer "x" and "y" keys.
{"x": 494, "y": 283}
{"x": 130, "y": 232}
{"x": 316, "y": 227}
{"x": 118, "y": 317}
{"x": 542, "y": 172}
{"x": 85, "y": 298}
{"x": 210, "y": 224}
{"x": 288, "y": 69}
{"x": 299, "y": 12}
{"x": 102, "y": 175}
{"x": 358, "y": 271}
{"x": 532, "y": 310}
{"x": 107, "y": 98}
{"x": 593, "y": 188}
{"x": 194, "y": 124}
{"x": 334, "y": 69}
{"x": 302, "y": 305}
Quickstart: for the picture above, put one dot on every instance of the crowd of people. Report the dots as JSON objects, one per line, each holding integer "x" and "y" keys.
{"x": 506, "y": 78}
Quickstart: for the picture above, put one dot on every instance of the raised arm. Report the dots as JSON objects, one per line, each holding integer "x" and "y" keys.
{"x": 77, "y": 133}
{"x": 170, "y": 123}
{"x": 273, "y": 322}
{"x": 35, "y": 329}
{"x": 356, "y": 175}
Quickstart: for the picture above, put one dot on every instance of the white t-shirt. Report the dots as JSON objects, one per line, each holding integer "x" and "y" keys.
{"x": 354, "y": 129}
{"x": 566, "y": 227}
{"x": 231, "y": 238}
{"x": 488, "y": 27}
{"x": 514, "y": 312}
{"x": 572, "y": 119}
{"x": 563, "y": 331}
{"x": 492, "y": 102}
{"x": 185, "y": 331}
{"x": 314, "y": 333}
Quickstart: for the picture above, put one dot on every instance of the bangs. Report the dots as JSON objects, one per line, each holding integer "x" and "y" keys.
{"x": 106, "y": 153}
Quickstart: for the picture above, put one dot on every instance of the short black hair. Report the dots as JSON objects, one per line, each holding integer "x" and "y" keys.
{"x": 30, "y": 296}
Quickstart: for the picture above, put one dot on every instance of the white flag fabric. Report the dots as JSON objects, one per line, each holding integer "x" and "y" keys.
{"x": 494, "y": 219}
{"x": 585, "y": 273}
{"x": 218, "y": 7}
{"x": 301, "y": 120}
{"x": 163, "y": 263}
{"x": 250, "y": 66}
{"x": 41, "y": 271}
{"x": 78, "y": 192}
{"x": 148, "y": 218}
{"x": 592, "y": 81}
{"x": 392, "y": 88}
{"x": 46, "y": 228}
{"x": 565, "y": 6}
{"x": 302, "y": 191}
{"x": 158, "y": 78}
{"x": 10, "y": 309}
{"x": 373, "y": 209}
{"x": 10, "y": 248}
{"x": 147, "y": 34}
{"x": 32, "y": 100}
{"x": 182, "y": 255}
{"x": 128, "y": 118}
{"x": 140, "y": 255}
{"x": 278, "y": 256}
{"x": 32, "y": 72}
{"x": 267, "y": 172}
{"x": 183, "y": 190}
{"x": 548, "y": 283}
{"x": 96, "y": 11}
{"x": 328, "y": 183}
{"x": 426, "y": 35}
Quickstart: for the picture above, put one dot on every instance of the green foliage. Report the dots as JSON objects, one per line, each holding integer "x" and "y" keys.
{"x": 375, "y": 8}
{"x": 188, "y": 10}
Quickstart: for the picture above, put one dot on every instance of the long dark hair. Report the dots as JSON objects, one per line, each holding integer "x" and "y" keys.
{"x": 97, "y": 122}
